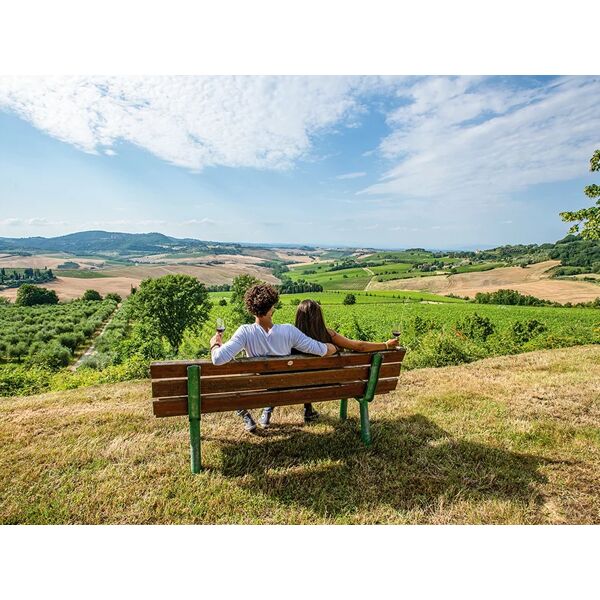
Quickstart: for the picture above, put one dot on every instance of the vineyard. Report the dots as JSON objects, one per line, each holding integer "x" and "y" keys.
{"x": 37, "y": 343}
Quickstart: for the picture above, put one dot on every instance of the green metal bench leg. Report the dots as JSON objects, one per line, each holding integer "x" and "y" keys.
{"x": 365, "y": 426}
{"x": 194, "y": 412}
{"x": 343, "y": 409}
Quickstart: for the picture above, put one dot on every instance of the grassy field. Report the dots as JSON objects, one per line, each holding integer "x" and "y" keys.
{"x": 505, "y": 440}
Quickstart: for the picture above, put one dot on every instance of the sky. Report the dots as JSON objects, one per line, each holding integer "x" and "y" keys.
{"x": 384, "y": 162}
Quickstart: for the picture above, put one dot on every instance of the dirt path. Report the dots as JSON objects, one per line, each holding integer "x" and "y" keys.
{"x": 92, "y": 347}
{"x": 372, "y": 277}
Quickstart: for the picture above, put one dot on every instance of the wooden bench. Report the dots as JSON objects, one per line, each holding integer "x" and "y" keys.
{"x": 197, "y": 387}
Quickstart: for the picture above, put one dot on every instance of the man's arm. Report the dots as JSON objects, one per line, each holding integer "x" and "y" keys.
{"x": 306, "y": 344}
{"x": 223, "y": 354}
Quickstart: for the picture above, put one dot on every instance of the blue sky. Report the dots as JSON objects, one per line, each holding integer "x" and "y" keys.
{"x": 437, "y": 162}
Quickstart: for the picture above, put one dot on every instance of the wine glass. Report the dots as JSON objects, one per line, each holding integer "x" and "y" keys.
{"x": 397, "y": 330}
{"x": 220, "y": 325}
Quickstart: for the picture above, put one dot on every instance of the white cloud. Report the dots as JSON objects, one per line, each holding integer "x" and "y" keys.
{"x": 193, "y": 122}
{"x": 203, "y": 221}
{"x": 351, "y": 175}
{"x": 34, "y": 222}
{"x": 470, "y": 139}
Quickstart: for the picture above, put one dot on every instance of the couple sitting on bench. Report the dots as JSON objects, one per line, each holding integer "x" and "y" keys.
{"x": 264, "y": 338}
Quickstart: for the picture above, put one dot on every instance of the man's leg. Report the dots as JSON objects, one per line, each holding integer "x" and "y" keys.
{"x": 310, "y": 414}
{"x": 265, "y": 417}
{"x": 249, "y": 423}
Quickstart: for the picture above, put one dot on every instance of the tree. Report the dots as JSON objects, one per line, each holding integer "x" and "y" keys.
{"x": 91, "y": 296}
{"x": 113, "y": 296}
{"x": 172, "y": 304}
{"x": 587, "y": 218}
{"x": 349, "y": 299}
{"x": 240, "y": 285}
{"x": 31, "y": 295}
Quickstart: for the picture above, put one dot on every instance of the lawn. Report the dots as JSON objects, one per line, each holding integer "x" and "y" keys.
{"x": 504, "y": 440}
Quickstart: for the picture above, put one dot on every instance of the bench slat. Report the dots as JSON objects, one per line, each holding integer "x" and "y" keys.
{"x": 162, "y": 388}
{"x": 272, "y": 364}
{"x": 171, "y": 407}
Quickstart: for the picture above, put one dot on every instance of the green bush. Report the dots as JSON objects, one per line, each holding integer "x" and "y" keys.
{"x": 91, "y": 296}
{"x": 222, "y": 302}
{"x": 52, "y": 356}
{"x": 476, "y": 327}
{"x": 524, "y": 331}
{"x": 440, "y": 350}
{"x": 18, "y": 380}
{"x": 113, "y": 296}
{"x": 421, "y": 326}
{"x": 349, "y": 299}
{"x": 295, "y": 301}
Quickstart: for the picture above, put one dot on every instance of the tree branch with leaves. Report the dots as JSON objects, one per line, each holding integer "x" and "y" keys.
{"x": 587, "y": 219}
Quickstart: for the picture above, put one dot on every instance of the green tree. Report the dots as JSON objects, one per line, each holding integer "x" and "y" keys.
{"x": 172, "y": 304}
{"x": 91, "y": 296}
{"x": 349, "y": 299}
{"x": 113, "y": 296}
{"x": 31, "y": 295}
{"x": 587, "y": 218}
{"x": 240, "y": 285}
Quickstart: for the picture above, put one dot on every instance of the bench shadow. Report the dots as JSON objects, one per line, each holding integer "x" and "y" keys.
{"x": 412, "y": 464}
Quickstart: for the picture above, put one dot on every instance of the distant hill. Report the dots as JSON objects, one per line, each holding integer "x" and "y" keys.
{"x": 94, "y": 242}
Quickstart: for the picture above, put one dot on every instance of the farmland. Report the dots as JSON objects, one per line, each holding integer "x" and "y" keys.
{"x": 49, "y": 336}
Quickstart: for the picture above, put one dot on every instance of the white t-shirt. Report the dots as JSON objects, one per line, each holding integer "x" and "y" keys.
{"x": 279, "y": 341}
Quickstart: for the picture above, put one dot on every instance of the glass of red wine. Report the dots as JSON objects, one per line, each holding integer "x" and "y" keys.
{"x": 397, "y": 330}
{"x": 220, "y": 325}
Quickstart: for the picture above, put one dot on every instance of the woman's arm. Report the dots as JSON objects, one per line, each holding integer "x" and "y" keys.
{"x": 358, "y": 346}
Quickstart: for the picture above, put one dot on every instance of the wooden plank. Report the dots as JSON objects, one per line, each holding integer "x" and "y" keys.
{"x": 172, "y": 407}
{"x": 271, "y": 364}
{"x": 162, "y": 388}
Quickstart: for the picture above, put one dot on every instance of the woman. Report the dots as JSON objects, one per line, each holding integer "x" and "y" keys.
{"x": 310, "y": 321}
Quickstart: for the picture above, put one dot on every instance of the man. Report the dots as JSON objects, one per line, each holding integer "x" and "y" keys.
{"x": 263, "y": 338}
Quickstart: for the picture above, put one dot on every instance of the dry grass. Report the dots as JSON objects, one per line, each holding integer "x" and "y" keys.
{"x": 533, "y": 280}
{"x": 505, "y": 440}
{"x": 39, "y": 261}
{"x": 68, "y": 288}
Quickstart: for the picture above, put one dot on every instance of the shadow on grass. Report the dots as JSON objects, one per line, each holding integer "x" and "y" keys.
{"x": 412, "y": 464}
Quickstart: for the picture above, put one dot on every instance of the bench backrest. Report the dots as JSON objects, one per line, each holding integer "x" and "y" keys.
{"x": 272, "y": 381}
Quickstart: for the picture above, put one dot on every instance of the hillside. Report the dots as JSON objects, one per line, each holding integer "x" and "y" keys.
{"x": 91, "y": 242}
{"x": 534, "y": 280}
{"x": 505, "y": 440}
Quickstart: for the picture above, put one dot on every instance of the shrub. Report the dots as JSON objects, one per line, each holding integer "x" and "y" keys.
{"x": 523, "y": 331}
{"x": 91, "y": 296}
{"x": 440, "y": 350}
{"x": 222, "y": 302}
{"x": 422, "y": 326}
{"x": 295, "y": 301}
{"x": 53, "y": 356}
{"x": 113, "y": 296}
{"x": 17, "y": 380}
{"x": 476, "y": 327}
{"x": 349, "y": 299}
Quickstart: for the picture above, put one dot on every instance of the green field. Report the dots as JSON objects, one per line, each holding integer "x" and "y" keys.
{"x": 398, "y": 265}
{"x": 80, "y": 273}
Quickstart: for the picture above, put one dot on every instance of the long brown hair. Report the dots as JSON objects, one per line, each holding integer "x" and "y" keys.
{"x": 309, "y": 320}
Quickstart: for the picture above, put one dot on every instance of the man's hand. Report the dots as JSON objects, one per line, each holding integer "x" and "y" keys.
{"x": 216, "y": 339}
{"x": 331, "y": 349}
{"x": 393, "y": 343}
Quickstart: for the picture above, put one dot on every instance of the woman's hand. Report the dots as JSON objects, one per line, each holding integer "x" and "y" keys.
{"x": 393, "y": 343}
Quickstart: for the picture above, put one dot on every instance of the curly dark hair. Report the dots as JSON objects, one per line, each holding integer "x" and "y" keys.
{"x": 260, "y": 298}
